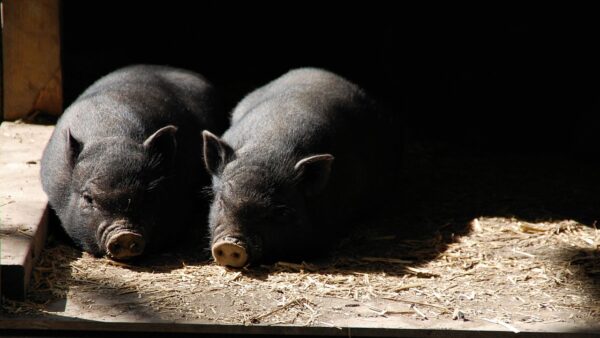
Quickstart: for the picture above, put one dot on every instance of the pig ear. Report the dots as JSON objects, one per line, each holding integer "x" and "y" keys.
{"x": 217, "y": 153}
{"x": 163, "y": 142}
{"x": 314, "y": 172}
{"x": 73, "y": 148}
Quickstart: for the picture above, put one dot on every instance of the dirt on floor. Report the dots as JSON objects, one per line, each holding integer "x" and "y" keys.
{"x": 504, "y": 242}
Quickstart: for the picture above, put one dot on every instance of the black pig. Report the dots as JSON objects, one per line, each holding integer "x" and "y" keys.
{"x": 123, "y": 168}
{"x": 304, "y": 156}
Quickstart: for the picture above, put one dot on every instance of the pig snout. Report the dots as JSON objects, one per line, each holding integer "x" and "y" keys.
{"x": 120, "y": 240}
{"x": 230, "y": 252}
{"x": 125, "y": 245}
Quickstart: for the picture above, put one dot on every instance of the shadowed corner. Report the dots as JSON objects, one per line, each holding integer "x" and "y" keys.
{"x": 584, "y": 265}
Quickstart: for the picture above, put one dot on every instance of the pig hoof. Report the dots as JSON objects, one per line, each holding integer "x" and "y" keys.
{"x": 229, "y": 254}
{"x": 125, "y": 245}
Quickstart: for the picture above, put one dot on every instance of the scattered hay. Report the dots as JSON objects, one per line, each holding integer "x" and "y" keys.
{"x": 505, "y": 271}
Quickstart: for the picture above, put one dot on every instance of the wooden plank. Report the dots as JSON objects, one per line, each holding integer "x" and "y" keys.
{"x": 69, "y": 326}
{"x": 31, "y": 58}
{"x": 23, "y": 204}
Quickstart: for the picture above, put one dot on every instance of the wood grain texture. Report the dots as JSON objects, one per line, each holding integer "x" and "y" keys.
{"x": 23, "y": 204}
{"x": 32, "y": 74}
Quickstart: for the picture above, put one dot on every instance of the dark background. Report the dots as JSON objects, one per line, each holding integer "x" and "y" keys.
{"x": 475, "y": 79}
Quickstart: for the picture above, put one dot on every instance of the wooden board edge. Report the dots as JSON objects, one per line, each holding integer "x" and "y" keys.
{"x": 74, "y": 325}
{"x": 15, "y": 278}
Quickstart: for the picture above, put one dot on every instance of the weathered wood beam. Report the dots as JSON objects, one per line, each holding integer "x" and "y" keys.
{"x": 32, "y": 75}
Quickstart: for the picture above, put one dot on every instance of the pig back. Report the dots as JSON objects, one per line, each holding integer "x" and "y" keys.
{"x": 135, "y": 101}
{"x": 311, "y": 111}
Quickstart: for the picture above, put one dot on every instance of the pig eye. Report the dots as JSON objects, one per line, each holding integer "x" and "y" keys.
{"x": 88, "y": 198}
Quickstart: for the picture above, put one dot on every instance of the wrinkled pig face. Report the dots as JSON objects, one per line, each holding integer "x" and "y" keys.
{"x": 116, "y": 187}
{"x": 259, "y": 211}
{"x": 249, "y": 218}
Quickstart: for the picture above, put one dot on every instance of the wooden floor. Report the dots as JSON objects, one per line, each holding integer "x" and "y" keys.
{"x": 23, "y": 213}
